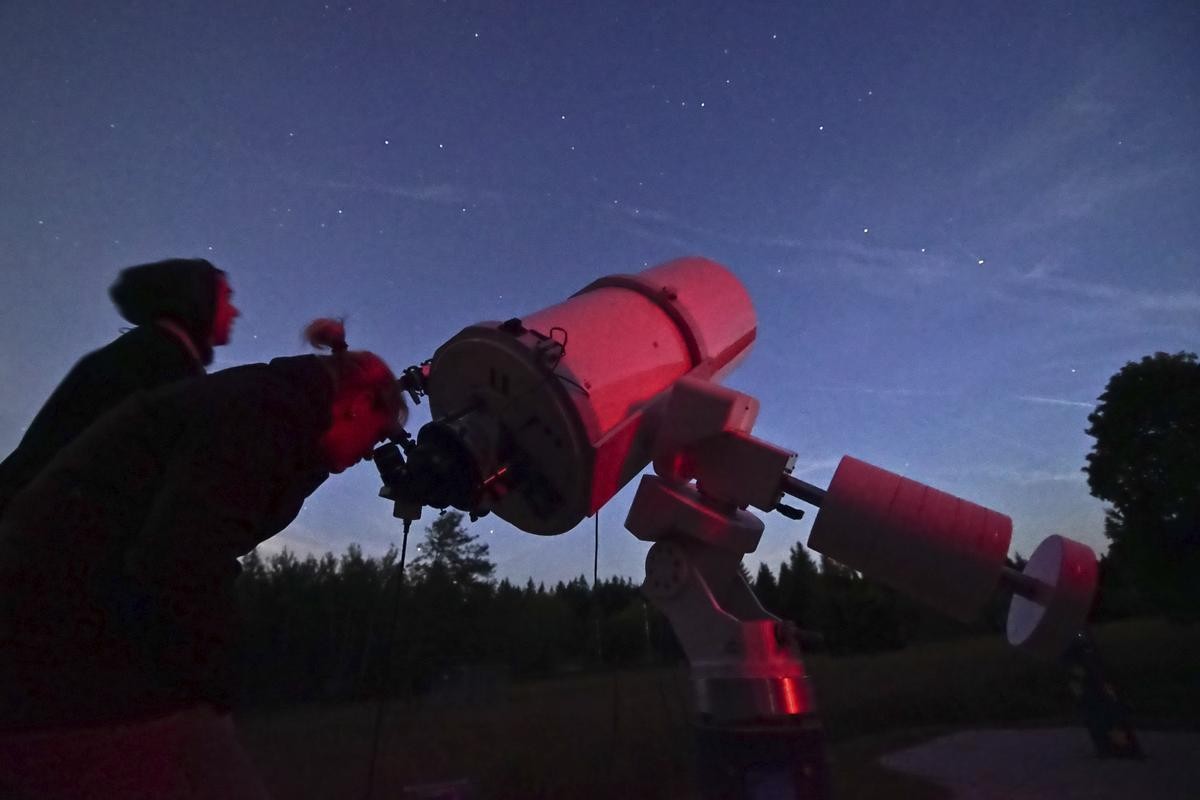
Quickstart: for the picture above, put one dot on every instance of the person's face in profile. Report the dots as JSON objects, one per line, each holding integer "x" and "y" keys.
{"x": 357, "y": 427}
{"x": 225, "y": 314}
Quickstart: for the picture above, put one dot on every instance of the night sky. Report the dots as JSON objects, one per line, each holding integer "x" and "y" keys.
{"x": 956, "y": 220}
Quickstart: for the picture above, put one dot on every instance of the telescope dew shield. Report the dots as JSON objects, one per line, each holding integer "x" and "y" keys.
{"x": 570, "y": 392}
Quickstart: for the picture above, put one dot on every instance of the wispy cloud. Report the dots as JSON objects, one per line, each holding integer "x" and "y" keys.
{"x": 903, "y": 272}
{"x": 900, "y": 272}
{"x": 845, "y": 256}
{"x": 1050, "y": 133}
{"x": 441, "y": 193}
{"x": 1029, "y": 477}
{"x": 908, "y": 271}
{"x": 1073, "y": 160}
{"x": 659, "y": 236}
{"x": 1085, "y": 151}
{"x": 658, "y": 225}
{"x": 1005, "y": 472}
{"x": 879, "y": 391}
{"x": 816, "y": 465}
{"x": 1075, "y": 194}
{"x": 1054, "y": 401}
{"x": 1047, "y": 280}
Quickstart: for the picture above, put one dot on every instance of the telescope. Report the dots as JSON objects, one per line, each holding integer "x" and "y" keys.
{"x": 540, "y": 420}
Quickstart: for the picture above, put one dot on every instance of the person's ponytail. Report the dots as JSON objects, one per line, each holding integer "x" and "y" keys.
{"x": 326, "y": 334}
{"x": 356, "y": 370}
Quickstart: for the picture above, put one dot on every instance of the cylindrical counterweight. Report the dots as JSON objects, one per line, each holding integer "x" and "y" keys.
{"x": 1062, "y": 574}
{"x": 940, "y": 549}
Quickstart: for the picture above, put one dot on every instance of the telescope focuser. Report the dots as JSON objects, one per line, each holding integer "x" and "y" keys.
{"x": 413, "y": 380}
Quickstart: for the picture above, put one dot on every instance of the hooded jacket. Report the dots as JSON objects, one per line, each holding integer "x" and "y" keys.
{"x": 118, "y": 561}
{"x": 181, "y": 290}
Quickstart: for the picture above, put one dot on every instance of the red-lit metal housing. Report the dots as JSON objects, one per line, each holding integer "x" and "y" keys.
{"x": 571, "y": 392}
{"x": 941, "y": 549}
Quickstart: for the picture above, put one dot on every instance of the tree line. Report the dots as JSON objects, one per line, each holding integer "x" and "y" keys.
{"x": 347, "y": 627}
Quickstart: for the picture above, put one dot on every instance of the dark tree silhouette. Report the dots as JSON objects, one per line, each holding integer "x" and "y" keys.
{"x": 1146, "y": 464}
{"x": 449, "y": 549}
{"x": 444, "y": 621}
{"x": 767, "y": 589}
{"x": 798, "y": 587}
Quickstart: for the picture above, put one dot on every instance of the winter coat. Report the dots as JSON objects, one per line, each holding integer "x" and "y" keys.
{"x": 118, "y": 561}
{"x": 183, "y": 291}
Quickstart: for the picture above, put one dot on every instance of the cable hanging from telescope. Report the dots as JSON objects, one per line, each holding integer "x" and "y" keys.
{"x": 562, "y": 352}
{"x": 610, "y": 757}
{"x": 571, "y": 382}
{"x": 387, "y": 666}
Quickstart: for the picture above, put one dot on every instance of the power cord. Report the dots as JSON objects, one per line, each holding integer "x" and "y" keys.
{"x": 384, "y": 696}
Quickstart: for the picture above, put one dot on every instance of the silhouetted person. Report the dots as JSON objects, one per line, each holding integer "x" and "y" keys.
{"x": 118, "y": 563}
{"x": 182, "y": 309}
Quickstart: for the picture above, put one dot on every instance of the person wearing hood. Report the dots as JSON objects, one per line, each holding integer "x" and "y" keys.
{"x": 118, "y": 563}
{"x": 181, "y": 308}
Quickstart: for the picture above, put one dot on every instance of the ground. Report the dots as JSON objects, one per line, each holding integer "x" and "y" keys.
{"x": 626, "y": 735}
